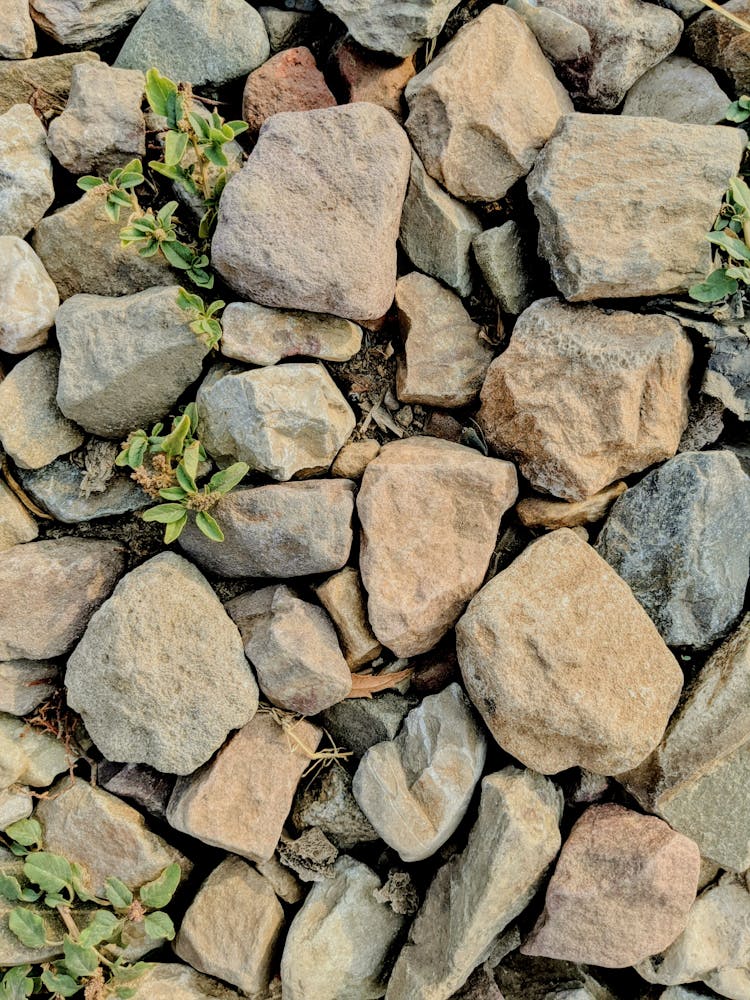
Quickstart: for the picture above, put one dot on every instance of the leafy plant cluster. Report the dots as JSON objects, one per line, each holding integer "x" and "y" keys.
{"x": 92, "y": 963}
{"x": 731, "y": 237}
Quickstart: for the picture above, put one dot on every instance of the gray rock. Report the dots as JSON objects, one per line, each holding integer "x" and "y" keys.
{"x": 500, "y": 255}
{"x": 24, "y": 684}
{"x": 262, "y": 336}
{"x": 561, "y": 39}
{"x": 147, "y": 788}
{"x": 28, "y": 297}
{"x": 26, "y": 190}
{"x": 328, "y": 804}
{"x": 125, "y": 361}
{"x": 677, "y": 538}
{"x": 680, "y": 91}
{"x": 395, "y": 26}
{"x": 685, "y": 8}
{"x": 16, "y": 524}
{"x": 29, "y": 756}
{"x": 360, "y": 723}
{"x": 203, "y": 42}
{"x": 292, "y": 529}
{"x": 59, "y": 489}
{"x": 19, "y": 78}
{"x": 17, "y": 38}
{"x": 84, "y": 22}
{"x": 727, "y": 376}
{"x": 15, "y": 804}
{"x": 167, "y": 693}
{"x": 311, "y": 856}
{"x": 705, "y": 424}
{"x": 311, "y": 220}
{"x": 170, "y": 981}
{"x": 286, "y": 28}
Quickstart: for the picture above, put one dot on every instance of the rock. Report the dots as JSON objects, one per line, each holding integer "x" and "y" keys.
{"x": 232, "y": 927}
{"x": 292, "y": 529}
{"x": 680, "y": 173}
{"x": 705, "y": 424}
{"x": 329, "y": 805}
{"x": 560, "y": 38}
{"x": 12, "y": 951}
{"x": 400, "y": 893}
{"x": 289, "y": 81}
{"x": 523, "y": 977}
{"x": 80, "y": 248}
{"x": 342, "y": 597}
{"x": 535, "y": 512}
{"x": 426, "y": 503}
{"x": 14, "y": 806}
{"x": 29, "y": 756}
{"x": 621, "y": 890}
{"x": 557, "y": 605}
{"x": 365, "y": 76}
{"x": 170, "y": 981}
{"x": 477, "y": 893}
{"x": 722, "y": 45}
{"x": 59, "y": 488}
{"x": 33, "y": 431}
{"x": 28, "y": 297}
{"x": 678, "y": 541}
{"x": 262, "y": 336}
{"x": 24, "y": 684}
{"x": 444, "y": 358}
{"x": 727, "y": 377}
{"x": 354, "y": 457}
{"x": 470, "y": 143}
{"x": 49, "y": 590}
{"x": 168, "y": 692}
{"x": 582, "y": 396}
{"x": 360, "y": 723}
{"x": 311, "y": 856}
{"x": 395, "y": 26}
{"x": 284, "y": 421}
{"x": 294, "y": 649}
{"x": 203, "y": 42}
{"x": 16, "y": 524}
{"x": 285, "y": 28}
{"x": 437, "y": 230}
{"x": 84, "y": 22}
{"x": 144, "y": 786}
{"x": 500, "y": 256}
{"x": 284, "y": 882}
{"x": 416, "y": 789}
{"x": 339, "y": 942}
{"x": 17, "y": 38}
{"x": 311, "y": 220}
{"x": 20, "y": 78}
{"x": 26, "y": 190}
{"x": 102, "y": 126}
{"x": 125, "y": 361}
{"x": 679, "y": 91}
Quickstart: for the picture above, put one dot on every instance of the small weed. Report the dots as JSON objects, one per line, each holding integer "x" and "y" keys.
{"x": 119, "y": 185}
{"x": 731, "y": 237}
{"x": 205, "y": 323}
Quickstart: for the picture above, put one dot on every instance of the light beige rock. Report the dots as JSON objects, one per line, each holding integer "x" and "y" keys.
{"x": 28, "y": 297}
{"x": 170, "y": 981}
{"x": 342, "y": 597}
{"x": 17, "y": 38}
{"x": 445, "y": 358}
{"x": 353, "y": 459}
{"x": 15, "y": 804}
{"x": 474, "y": 145}
{"x": 240, "y": 800}
{"x": 232, "y": 927}
{"x": 29, "y": 756}
{"x": 24, "y": 684}
{"x": 263, "y": 336}
{"x": 26, "y": 189}
{"x": 680, "y": 91}
{"x": 425, "y": 505}
{"x": 19, "y": 78}
{"x": 83, "y": 22}
{"x": 283, "y": 881}
{"x": 582, "y": 397}
{"x": 16, "y": 524}
{"x": 535, "y": 512}
{"x": 563, "y": 663}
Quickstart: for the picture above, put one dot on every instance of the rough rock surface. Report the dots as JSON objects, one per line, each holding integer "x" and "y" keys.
{"x": 311, "y": 220}
{"x": 680, "y": 91}
{"x": 28, "y": 297}
{"x": 535, "y": 512}
{"x": 328, "y": 804}
{"x": 341, "y": 595}
{"x": 722, "y": 45}
{"x": 61, "y": 489}
{"x": 475, "y": 146}
{"x": 395, "y": 26}
{"x": 84, "y": 22}
{"x": 16, "y": 524}
{"x": 26, "y": 190}
{"x": 289, "y": 81}
{"x": 564, "y": 665}
{"x": 360, "y": 723}
{"x": 354, "y": 457}
{"x": 366, "y": 76}
{"x": 426, "y": 503}
{"x": 19, "y": 78}
{"x": 17, "y": 38}
{"x": 261, "y": 336}
{"x": 582, "y": 396}
{"x": 172, "y": 981}
{"x": 162, "y": 691}
{"x": 29, "y": 757}
{"x": 561, "y": 39}
{"x": 726, "y": 378}
{"x": 500, "y": 255}
{"x": 286, "y": 28}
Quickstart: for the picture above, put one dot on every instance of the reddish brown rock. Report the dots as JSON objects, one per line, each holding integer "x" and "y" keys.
{"x": 723, "y": 45}
{"x": 377, "y": 79}
{"x": 289, "y": 81}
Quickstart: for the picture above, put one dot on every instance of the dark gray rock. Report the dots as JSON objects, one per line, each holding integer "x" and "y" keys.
{"x": 149, "y": 789}
{"x": 58, "y": 489}
{"x": 328, "y": 804}
{"x": 727, "y": 376}
{"x": 360, "y": 723}
{"x": 395, "y": 26}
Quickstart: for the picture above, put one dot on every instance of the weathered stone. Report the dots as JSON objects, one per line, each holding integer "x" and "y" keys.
{"x": 311, "y": 220}
{"x": 262, "y": 336}
{"x": 48, "y": 592}
{"x": 679, "y": 91}
{"x": 564, "y": 665}
{"x": 340, "y": 940}
{"x": 284, "y": 882}
{"x": 240, "y": 800}
{"x": 16, "y": 524}
{"x": 705, "y": 424}
{"x": 476, "y": 894}
{"x": 475, "y": 146}
{"x": 289, "y": 81}
{"x": 499, "y": 254}
{"x": 167, "y": 693}
{"x": 535, "y": 512}
{"x": 374, "y": 78}
{"x": 311, "y": 856}
{"x": 24, "y": 684}
{"x": 26, "y": 190}
{"x": 341, "y": 595}
{"x": 426, "y": 503}
{"x": 147, "y": 788}
{"x": 102, "y": 126}
{"x": 285, "y": 28}
{"x": 360, "y": 723}
{"x": 354, "y": 457}
{"x": 723, "y": 45}
{"x": 170, "y": 981}
{"x": 561, "y": 39}
{"x": 17, "y": 38}
{"x": 84, "y": 22}
{"x": 200, "y": 41}
{"x": 283, "y": 420}
{"x": 522, "y": 977}
{"x": 582, "y": 396}
{"x": 15, "y": 804}
{"x": 679, "y": 172}
{"x": 395, "y": 26}
{"x": 727, "y": 376}
{"x": 678, "y": 540}
{"x": 329, "y": 805}
{"x": 28, "y": 756}
{"x": 292, "y": 529}
{"x": 125, "y": 361}
{"x": 59, "y": 488}
{"x": 232, "y": 927}
{"x": 416, "y": 789}
{"x": 20, "y": 78}
{"x": 28, "y": 297}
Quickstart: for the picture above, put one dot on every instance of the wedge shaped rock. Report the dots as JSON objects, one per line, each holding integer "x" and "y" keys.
{"x": 174, "y": 981}
{"x": 262, "y": 336}
{"x": 395, "y": 26}
{"x": 17, "y": 38}
{"x": 28, "y": 297}
{"x": 26, "y": 189}
{"x": 680, "y": 91}
{"x": 84, "y": 22}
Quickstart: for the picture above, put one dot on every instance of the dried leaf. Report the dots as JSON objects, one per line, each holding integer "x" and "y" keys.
{"x": 365, "y": 685}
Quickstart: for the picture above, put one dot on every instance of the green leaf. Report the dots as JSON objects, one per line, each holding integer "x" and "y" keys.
{"x": 208, "y": 526}
{"x": 191, "y": 459}
{"x": 29, "y": 895}
{"x": 60, "y": 984}
{"x": 16, "y": 984}
{"x": 174, "y": 442}
{"x": 740, "y": 193}
{"x": 137, "y": 452}
{"x": 191, "y": 412}
{"x": 716, "y": 287}
{"x": 174, "y": 147}
{"x": 28, "y": 927}
{"x": 125, "y": 992}
{"x": 87, "y": 183}
{"x": 730, "y": 245}
{"x": 175, "y": 493}
{"x": 736, "y": 112}
{"x": 158, "y": 925}
{"x": 54, "y": 899}
{"x": 155, "y": 895}
{"x": 174, "y": 530}
{"x": 227, "y": 479}
{"x": 80, "y": 960}
{"x": 10, "y": 888}
{"x": 185, "y": 480}
{"x": 78, "y": 884}
{"x": 118, "y": 894}
{"x": 158, "y": 90}
{"x": 164, "y": 215}
{"x": 164, "y": 513}
{"x": 26, "y": 831}
{"x": 188, "y": 300}
{"x": 740, "y": 273}
{"x": 178, "y": 255}
{"x": 174, "y": 110}
{"x": 103, "y": 927}
{"x": 201, "y": 125}
{"x": 215, "y": 155}
{"x": 51, "y": 872}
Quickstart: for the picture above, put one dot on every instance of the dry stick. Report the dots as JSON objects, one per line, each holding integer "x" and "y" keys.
{"x": 732, "y": 17}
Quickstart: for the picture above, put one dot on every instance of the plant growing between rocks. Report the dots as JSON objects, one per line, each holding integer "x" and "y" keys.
{"x": 119, "y": 183}
{"x": 731, "y": 235}
{"x": 206, "y": 323}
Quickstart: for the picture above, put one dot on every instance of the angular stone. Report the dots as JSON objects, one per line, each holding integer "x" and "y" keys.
{"x": 231, "y": 929}
{"x": 15, "y": 804}
{"x": 535, "y": 512}
{"x": 727, "y": 377}
{"x": 283, "y": 420}
{"x": 523, "y": 977}
{"x": 20, "y": 78}
{"x": 60, "y": 489}
{"x": 680, "y": 91}
{"x": 126, "y": 360}
{"x": 26, "y": 190}
{"x": 329, "y": 805}
{"x": 286, "y": 28}
{"x": 395, "y": 26}
{"x": 477, "y": 893}
{"x": 311, "y": 220}
{"x": 705, "y": 423}
{"x": 621, "y": 890}
{"x": 416, "y": 789}
{"x": 564, "y": 665}
{"x": 473, "y": 145}
{"x": 445, "y": 359}
{"x": 560, "y": 38}
{"x": 722, "y": 45}
{"x": 147, "y": 788}
{"x": 84, "y": 22}
{"x": 582, "y": 396}
{"x": 680, "y": 173}
{"x": 16, "y": 524}
{"x": 368, "y": 77}
{"x": 48, "y": 592}
{"x": 24, "y": 684}
{"x": 240, "y": 800}
{"x": 354, "y": 457}
{"x": 426, "y": 503}
{"x": 171, "y": 981}
{"x": 28, "y": 297}
{"x": 678, "y": 539}
{"x": 289, "y": 81}
{"x": 262, "y": 336}
{"x": 360, "y": 723}
{"x": 17, "y": 38}
{"x": 437, "y": 230}
{"x": 29, "y": 756}
{"x": 102, "y": 126}
{"x": 168, "y": 692}
{"x": 341, "y": 595}
{"x": 340, "y": 940}
{"x": 292, "y": 529}
{"x": 500, "y": 256}
{"x": 285, "y": 883}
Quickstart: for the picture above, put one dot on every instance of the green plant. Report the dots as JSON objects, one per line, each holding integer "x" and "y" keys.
{"x": 158, "y": 233}
{"x": 205, "y": 324}
{"x": 119, "y": 184}
{"x": 90, "y": 953}
{"x": 739, "y": 111}
{"x": 731, "y": 236}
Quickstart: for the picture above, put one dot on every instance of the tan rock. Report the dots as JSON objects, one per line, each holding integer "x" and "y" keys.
{"x": 16, "y": 524}
{"x": 563, "y": 663}
{"x": 535, "y": 512}
{"x": 430, "y": 512}
{"x": 342, "y": 597}
{"x": 283, "y": 881}
{"x": 263, "y": 336}
{"x": 582, "y": 397}
{"x": 353, "y": 459}
{"x": 170, "y": 981}
{"x": 20, "y": 78}
{"x": 17, "y": 38}
{"x": 28, "y": 297}
{"x": 29, "y": 756}
{"x": 24, "y": 684}
{"x": 622, "y": 890}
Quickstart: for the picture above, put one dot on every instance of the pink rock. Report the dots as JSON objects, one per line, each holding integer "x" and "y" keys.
{"x": 366, "y": 77}
{"x": 289, "y": 81}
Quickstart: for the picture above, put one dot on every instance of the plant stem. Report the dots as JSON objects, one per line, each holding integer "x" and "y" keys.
{"x": 67, "y": 918}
